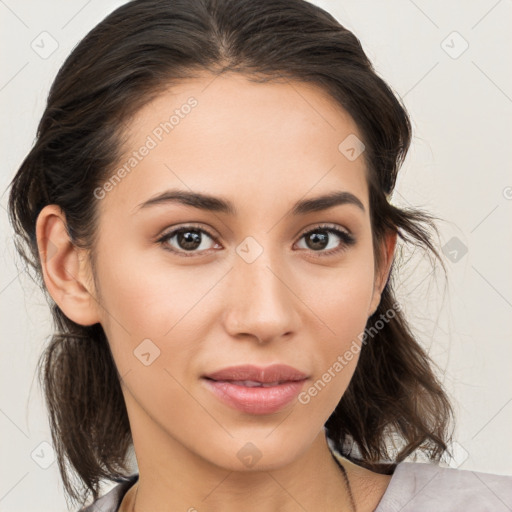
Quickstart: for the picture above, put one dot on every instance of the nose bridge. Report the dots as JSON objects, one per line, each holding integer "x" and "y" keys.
{"x": 261, "y": 303}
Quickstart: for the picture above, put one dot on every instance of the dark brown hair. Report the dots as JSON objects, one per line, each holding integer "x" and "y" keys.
{"x": 140, "y": 49}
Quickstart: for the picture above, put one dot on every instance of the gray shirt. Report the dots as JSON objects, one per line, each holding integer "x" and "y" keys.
{"x": 414, "y": 487}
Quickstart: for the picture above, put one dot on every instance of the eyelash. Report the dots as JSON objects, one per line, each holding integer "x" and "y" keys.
{"x": 346, "y": 238}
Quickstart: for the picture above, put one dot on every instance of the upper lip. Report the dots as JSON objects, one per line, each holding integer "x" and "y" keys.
{"x": 272, "y": 373}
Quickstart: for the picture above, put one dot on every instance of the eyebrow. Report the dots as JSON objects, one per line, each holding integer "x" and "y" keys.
{"x": 216, "y": 204}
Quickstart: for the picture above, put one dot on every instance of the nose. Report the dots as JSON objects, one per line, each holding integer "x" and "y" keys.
{"x": 262, "y": 303}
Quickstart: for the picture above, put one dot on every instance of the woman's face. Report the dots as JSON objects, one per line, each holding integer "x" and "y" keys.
{"x": 240, "y": 285}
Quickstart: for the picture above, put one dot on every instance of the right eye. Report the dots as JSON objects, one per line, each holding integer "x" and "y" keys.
{"x": 187, "y": 239}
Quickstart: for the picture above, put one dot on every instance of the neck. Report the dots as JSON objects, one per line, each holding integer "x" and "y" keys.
{"x": 312, "y": 482}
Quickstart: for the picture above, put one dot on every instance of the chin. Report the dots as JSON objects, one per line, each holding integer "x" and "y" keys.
{"x": 257, "y": 451}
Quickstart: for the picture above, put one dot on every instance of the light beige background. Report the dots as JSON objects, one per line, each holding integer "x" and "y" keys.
{"x": 460, "y": 101}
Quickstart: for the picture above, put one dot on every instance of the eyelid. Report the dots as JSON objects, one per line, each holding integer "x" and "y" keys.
{"x": 326, "y": 226}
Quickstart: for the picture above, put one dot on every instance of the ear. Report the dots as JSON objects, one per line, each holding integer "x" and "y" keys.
{"x": 65, "y": 270}
{"x": 387, "y": 251}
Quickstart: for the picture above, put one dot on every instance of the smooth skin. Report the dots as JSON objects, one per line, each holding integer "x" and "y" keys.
{"x": 262, "y": 147}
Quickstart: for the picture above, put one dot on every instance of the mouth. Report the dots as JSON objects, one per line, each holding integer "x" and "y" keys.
{"x": 256, "y": 390}
{"x": 253, "y": 383}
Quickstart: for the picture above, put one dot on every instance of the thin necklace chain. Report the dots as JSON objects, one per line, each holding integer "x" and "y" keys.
{"x": 340, "y": 465}
{"x": 347, "y": 483}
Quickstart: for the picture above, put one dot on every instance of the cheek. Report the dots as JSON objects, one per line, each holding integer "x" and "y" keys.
{"x": 340, "y": 297}
{"x": 146, "y": 298}
{"x": 341, "y": 306}
{"x": 155, "y": 309}
{"x": 336, "y": 354}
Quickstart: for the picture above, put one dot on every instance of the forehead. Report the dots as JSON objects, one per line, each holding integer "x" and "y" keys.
{"x": 267, "y": 142}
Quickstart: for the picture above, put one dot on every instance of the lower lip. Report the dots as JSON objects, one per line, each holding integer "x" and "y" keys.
{"x": 257, "y": 400}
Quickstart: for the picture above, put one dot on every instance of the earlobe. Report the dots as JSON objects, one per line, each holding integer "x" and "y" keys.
{"x": 64, "y": 271}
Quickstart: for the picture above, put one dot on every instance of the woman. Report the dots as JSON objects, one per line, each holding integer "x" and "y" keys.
{"x": 207, "y": 204}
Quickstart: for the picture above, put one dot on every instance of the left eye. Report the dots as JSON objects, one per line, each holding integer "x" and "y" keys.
{"x": 320, "y": 240}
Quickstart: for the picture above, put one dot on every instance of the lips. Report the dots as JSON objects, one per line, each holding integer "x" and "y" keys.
{"x": 256, "y": 390}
